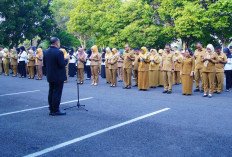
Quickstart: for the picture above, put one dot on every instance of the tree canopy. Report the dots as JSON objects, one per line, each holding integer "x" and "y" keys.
{"x": 115, "y": 22}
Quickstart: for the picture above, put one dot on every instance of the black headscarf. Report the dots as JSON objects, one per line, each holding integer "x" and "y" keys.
{"x": 103, "y": 54}
{"x": 71, "y": 51}
{"x": 89, "y": 53}
{"x": 226, "y": 50}
{"x": 18, "y": 50}
{"x": 22, "y": 48}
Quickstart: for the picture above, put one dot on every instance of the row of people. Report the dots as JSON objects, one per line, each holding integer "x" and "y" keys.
{"x": 21, "y": 61}
{"x": 150, "y": 69}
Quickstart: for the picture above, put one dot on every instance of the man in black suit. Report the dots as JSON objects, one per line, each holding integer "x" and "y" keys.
{"x": 55, "y": 65}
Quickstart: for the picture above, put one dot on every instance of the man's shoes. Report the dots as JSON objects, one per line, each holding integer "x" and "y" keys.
{"x": 135, "y": 85}
{"x": 210, "y": 96}
{"x": 196, "y": 90}
{"x": 165, "y": 91}
{"x": 218, "y": 92}
{"x": 59, "y": 113}
{"x": 202, "y": 91}
{"x": 124, "y": 87}
{"x": 128, "y": 87}
{"x": 169, "y": 92}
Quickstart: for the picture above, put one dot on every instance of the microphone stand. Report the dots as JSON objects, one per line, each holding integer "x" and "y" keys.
{"x": 79, "y": 106}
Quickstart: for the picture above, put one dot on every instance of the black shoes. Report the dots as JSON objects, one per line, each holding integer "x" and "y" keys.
{"x": 168, "y": 92}
{"x": 135, "y": 85}
{"x": 196, "y": 90}
{"x": 128, "y": 87}
{"x": 59, "y": 113}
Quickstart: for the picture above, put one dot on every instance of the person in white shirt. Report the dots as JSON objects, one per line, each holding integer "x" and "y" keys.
{"x": 22, "y": 62}
{"x": 88, "y": 69}
{"x": 72, "y": 62}
{"x": 228, "y": 68}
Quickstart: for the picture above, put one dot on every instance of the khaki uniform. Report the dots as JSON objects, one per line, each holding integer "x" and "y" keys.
{"x": 167, "y": 65}
{"x": 135, "y": 70}
{"x": 39, "y": 65}
{"x": 209, "y": 72}
{"x": 14, "y": 64}
{"x": 154, "y": 68}
{"x": 120, "y": 69}
{"x": 108, "y": 76}
{"x": 80, "y": 69}
{"x": 161, "y": 74}
{"x": 113, "y": 66}
{"x": 127, "y": 68}
{"x": 177, "y": 68}
{"x": 6, "y": 63}
{"x": 187, "y": 66}
{"x": 219, "y": 78}
{"x": 31, "y": 65}
{"x": 1, "y": 56}
{"x": 198, "y": 69}
{"x": 143, "y": 75}
{"x": 94, "y": 64}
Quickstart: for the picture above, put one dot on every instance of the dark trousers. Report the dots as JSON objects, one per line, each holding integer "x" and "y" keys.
{"x": 228, "y": 79}
{"x": 44, "y": 71}
{"x": 72, "y": 69}
{"x": 22, "y": 68}
{"x": 88, "y": 71}
{"x": 85, "y": 68}
{"x": 54, "y": 95}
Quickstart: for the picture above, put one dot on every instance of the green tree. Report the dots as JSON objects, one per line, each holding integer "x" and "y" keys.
{"x": 66, "y": 39}
{"x": 23, "y": 20}
{"x": 221, "y": 21}
{"x": 184, "y": 19}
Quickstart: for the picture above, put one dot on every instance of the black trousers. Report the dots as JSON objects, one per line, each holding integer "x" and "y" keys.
{"x": 54, "y": 95}
{"x": 88, "y": 71}
{"x": 72, "y": 69}
{"x": 22, "y": 68}
{"x": 228, "y": 79}
{"x": 103, "y": 71}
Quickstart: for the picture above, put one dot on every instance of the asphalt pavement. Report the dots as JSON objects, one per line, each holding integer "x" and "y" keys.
{"x": 192, "y": 125}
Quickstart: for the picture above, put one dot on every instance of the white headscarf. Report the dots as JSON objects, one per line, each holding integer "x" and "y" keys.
{"x": 209, "y": 46}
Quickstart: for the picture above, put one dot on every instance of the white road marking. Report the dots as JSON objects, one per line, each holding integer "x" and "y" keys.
{"x": 31, "y": 109}
{"x": 47, "y": 150}
{"x": 20, "y": 93}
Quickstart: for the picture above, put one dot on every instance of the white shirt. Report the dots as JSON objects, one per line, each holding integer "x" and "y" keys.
{"x": 73, "y": 60}
{"x": 87, "y": 61}
{"x": 3, "y": 54}
{"x": 23, "y": 56}
{"x": 228, "y": 65}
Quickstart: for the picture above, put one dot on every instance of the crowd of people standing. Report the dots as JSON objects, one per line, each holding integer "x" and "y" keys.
{"x": 149, "y": 68}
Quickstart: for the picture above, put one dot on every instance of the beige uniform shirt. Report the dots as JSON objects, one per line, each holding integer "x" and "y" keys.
{"x": 127, "y": 62}
{"x": 220, "y": 66}
{"x": 168, "y": 61}
{"x": 188, "y": 65}
{"x": 198, "y": 62}
{"x": 211, "y": 65}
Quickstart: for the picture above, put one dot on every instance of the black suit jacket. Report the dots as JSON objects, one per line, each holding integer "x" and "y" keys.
{"x": 55, "y": 65}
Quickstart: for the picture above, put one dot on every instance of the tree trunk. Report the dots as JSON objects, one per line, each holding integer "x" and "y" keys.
{"x": 184, "y": 44}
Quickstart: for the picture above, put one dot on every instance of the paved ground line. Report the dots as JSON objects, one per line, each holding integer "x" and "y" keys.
{"x": 47, "y": 150}
{"x": 31, "y": 109}
{"x": 20, "y": 93}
